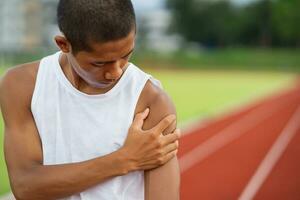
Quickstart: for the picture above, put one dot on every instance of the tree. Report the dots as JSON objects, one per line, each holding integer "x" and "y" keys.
{"x": 205, "y": 22}
{"x": 220, "y": 23}
{"x": 285, "y": 22}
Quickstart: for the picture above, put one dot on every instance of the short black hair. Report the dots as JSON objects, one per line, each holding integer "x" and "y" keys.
{"x": 86, "y": 21}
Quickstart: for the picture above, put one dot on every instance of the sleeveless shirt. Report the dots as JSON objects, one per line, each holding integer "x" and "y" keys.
{"x": 74, "y": 126}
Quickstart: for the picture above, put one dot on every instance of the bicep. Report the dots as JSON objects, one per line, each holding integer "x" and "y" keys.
{"x": 22, "y": 146}
{"x": 162, "y": 182}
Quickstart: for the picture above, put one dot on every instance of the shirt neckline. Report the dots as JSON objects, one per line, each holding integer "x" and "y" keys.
{"x": 65, "y": 81}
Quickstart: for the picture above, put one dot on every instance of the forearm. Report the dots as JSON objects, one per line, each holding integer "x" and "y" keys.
{"x": 58, "y": 181}
{"x": 163, "y": 182}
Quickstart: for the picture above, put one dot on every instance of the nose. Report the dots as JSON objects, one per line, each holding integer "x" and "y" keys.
{"x": 114, "y": 71}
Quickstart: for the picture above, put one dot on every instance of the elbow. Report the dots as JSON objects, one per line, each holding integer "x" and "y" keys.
{"x": 22, "y": 189}
{"x": 19, "y": 196}
{"x": 26, "y": 183}
{"x": 19, "y": 193}
{"x": 26, "y": 192}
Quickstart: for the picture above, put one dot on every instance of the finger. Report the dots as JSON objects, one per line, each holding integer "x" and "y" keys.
{"x": 163, "y": 124}
{"x": 167, "y": 130}
{"x": 177, "y": 132}
{"x": 169, "y": 156}
{"x": 171, "y": 147}
{"x": 139, "y": 118}
{"x": 148, "y": 167}
{"x": 152, "y": 164}
{"x": 171, "y": 138}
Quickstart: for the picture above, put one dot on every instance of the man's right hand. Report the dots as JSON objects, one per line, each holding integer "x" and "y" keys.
{"x": 148, "y": 149}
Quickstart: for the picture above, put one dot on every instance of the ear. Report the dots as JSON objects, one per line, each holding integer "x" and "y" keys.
{"x": 63, "y": 43}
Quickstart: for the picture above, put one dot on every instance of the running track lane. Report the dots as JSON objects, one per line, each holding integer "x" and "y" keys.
{"x": 218, "y": 161}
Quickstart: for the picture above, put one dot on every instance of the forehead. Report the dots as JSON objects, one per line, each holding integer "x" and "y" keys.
{"x": 112, "y": 49}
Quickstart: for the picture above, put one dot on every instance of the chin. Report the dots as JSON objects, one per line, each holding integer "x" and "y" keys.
{"x": 101, "y": 85}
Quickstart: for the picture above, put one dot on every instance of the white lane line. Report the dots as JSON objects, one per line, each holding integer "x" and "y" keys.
{"x": 229, "y": 134}
{"x": 272, "y": 157}
{"x": 189, "y": 126}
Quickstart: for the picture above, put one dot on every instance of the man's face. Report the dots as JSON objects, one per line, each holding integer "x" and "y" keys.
{"x": 105, "y": 64}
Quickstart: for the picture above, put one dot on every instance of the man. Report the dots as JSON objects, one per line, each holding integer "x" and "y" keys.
{"x": 85, "y": 123}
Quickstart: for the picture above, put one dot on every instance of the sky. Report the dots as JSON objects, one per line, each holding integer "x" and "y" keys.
{"x": 242, "y": 1}
{"x": 143, "y": 5}
{"x": 147, "y": 4}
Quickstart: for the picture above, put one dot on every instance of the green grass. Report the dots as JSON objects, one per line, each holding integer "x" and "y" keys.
{"x": 201, "y": 94}
{"x": 4, "y": 184}
{"x": 2, "y": 70}
{"x": 228, "y": 58}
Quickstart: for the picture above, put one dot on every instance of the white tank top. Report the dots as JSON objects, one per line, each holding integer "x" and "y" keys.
{"x": 74, "y": 126}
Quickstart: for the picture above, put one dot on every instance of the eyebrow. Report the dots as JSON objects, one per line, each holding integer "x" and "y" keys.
{"x": 103, "y": 62}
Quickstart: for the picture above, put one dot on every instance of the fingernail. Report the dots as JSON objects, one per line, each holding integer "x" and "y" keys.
{"x": 172, "y": 118}
{"x": 178, "y": 132}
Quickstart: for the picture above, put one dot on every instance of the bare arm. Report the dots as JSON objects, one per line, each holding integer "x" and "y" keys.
{"x": 163, "y": 182}
{"x": 30, "y": 179}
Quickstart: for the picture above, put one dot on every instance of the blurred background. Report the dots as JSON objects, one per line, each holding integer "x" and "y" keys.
{"x": 212, "y": 56}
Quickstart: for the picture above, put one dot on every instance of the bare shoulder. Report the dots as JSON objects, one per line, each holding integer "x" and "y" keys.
{"x": 19, "y": 81}
{"x": 158, "y": 101}
{"x": 158, "y": 97}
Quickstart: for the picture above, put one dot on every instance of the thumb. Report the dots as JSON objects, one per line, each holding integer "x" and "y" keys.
{"x": 139, "y": 118}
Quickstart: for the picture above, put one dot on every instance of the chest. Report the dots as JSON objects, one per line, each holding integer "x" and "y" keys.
{"x": 74, "y": 131}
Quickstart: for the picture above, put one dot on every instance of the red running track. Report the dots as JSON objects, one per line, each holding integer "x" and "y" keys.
{"x": 251, "y": 154}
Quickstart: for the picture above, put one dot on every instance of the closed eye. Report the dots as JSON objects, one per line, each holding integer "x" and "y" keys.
{"x": 126, "y": 57}
{"x": 98, "y": 64}
{"x": 101, "y": 64}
